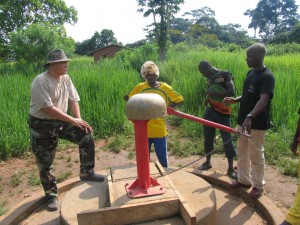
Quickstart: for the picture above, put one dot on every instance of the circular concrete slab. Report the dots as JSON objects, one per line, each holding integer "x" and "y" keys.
{"x": 84, "y": 196}
{"x": 186, "y": 194}
{"x": 231, "y": 208}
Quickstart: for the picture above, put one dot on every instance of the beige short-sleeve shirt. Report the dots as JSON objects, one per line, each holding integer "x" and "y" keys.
{"x": 47, "y": 91}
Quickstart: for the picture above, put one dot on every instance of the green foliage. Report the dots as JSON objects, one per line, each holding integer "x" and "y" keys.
{"x": 165, "y": 10}
{"x": 64, "y": 176}
{"x": 277, "y": 151}
{"x": 209, "y": 40}
{"x": 16, "y": 178}
{"x": 284, "y": 49}
{"x": 294, "y": 35}
{"x": 234, "y": 48}
{"x": 19, "y": 14}
{"x": 102, "y": 86}
{"x": 131, "y": 154}
{"x": 2, "y": 209}
{"x": 279, "y": 38}
{"x": 33, "y": 178}
{"x": 185, "y": 148}
{"x": 99, "y": 40}
{"x": 134, "y": 59}
{"x": 32, "y": 44}
{"x": 119, "y": 142}
{"x": 273, "y": 17}
{"x": 202, "y": 27}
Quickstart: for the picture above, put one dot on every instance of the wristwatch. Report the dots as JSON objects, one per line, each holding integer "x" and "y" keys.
{"x": 249, "y": 116}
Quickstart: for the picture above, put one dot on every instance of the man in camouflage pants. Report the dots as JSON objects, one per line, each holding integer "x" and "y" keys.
{"x": 52, "y": 93}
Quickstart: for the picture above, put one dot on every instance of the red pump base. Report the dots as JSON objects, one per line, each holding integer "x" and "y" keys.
{"x": 134, "y": 191}
{"x": 144, "y": 185}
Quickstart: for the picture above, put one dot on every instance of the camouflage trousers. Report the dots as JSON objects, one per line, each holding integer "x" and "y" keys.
{"x": 44, "y": 136}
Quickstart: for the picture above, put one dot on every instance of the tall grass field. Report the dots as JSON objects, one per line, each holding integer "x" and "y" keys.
{"x": 102, "y": 85}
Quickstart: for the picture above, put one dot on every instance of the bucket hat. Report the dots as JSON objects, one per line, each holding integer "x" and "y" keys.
{"x": 57, "y": 55}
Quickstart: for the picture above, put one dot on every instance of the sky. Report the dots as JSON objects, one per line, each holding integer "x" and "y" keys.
{"x": 122, "y": 18}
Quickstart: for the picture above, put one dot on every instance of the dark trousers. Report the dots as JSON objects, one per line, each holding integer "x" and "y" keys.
{"x": 44, "y": 139}
{"x": 210, "y": 133}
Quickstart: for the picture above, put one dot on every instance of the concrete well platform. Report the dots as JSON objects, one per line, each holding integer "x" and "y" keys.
{"x": 199, "y": 197}
{"x": 187, "y": 198}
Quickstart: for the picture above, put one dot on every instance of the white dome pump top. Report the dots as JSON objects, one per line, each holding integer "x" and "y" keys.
{"x": 146, "y": 106}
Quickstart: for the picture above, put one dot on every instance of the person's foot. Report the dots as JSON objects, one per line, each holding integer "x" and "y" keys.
{"x": 92, "y": 177}
{"x": 285, "y": 223}
{"x": 232, "y": 174}
{"x": 237, "y": 184}
{"x": 53, "y": 204}
{"x": 256, "y": 192}
{"x": 205, "y": 166}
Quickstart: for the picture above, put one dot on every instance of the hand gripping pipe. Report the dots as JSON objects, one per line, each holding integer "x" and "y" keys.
{"x": 172, "y": 111}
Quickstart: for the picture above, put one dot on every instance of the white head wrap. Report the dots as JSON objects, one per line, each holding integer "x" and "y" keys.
{"x": 149, "y": 67}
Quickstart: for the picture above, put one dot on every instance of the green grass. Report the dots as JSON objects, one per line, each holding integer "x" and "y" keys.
{"x": 102, "y": 86}
{"x": 64, "y": 176}
{"x": 17, "y": 178}
{"x": 118, "y": 142}
{"x": 33, "y": 178}
{"x": 3, "y": 210}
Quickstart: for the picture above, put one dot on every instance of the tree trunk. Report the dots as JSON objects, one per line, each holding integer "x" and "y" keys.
{"x": 162, "y": 39}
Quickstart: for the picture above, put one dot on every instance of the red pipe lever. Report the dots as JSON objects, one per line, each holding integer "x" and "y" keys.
{"x": 172, "y": 111}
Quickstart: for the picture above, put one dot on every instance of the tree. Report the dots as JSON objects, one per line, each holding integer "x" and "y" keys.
{"x": 255, "y": 15}
{"x": 16, "y": 14}
{"x": 165, "y": 9}
{"x": 34, "y": 42}
{"x": 103, "y": 39}
{"x": 99, "y": 40}
{"x": 198, "y": 14}
{"x": 204, "y": 23}
{"x": 233, "y": 33}
{"x": 272, "y": 17}
{"x": 294, "y": 35}
{"x": 84, "y": 47}
{"x": 180, "y": 24}
{"x": 137, "y": 44}
{"x": 107, "y": 38}
{"x": 178, "y": 29}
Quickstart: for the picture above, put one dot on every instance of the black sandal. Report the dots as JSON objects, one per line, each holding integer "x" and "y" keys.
{"x": 205, "y": 166}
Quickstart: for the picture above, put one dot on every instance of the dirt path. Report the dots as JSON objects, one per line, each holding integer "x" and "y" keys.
{"x": 16, "y": 174}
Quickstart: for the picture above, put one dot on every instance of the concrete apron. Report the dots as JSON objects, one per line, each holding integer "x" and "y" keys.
{"x": 191, "y": 198}
{"x": 186, "y": 195}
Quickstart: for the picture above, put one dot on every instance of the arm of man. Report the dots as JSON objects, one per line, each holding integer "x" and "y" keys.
{"x": 74, "y": 105}
{"x": 232, "y": 100}
{"x": 258, "y": 108}
{"x": 58, "y": 114}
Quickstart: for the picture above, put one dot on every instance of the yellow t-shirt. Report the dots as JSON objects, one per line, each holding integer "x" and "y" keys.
{"x": 157, "y": 127}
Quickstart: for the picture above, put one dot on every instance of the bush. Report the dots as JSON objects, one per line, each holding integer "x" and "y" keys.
{"x": 32, "y": 44}
{"x": 283, "y": 49}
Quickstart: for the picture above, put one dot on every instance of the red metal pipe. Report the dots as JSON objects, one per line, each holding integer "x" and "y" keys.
{"x": 142, "y": 153}
{"x": 144, "y": 185}
{"x": 172, "y": 111}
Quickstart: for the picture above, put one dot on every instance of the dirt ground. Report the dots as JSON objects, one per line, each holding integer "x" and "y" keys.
{"x": 15, "y": 174}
